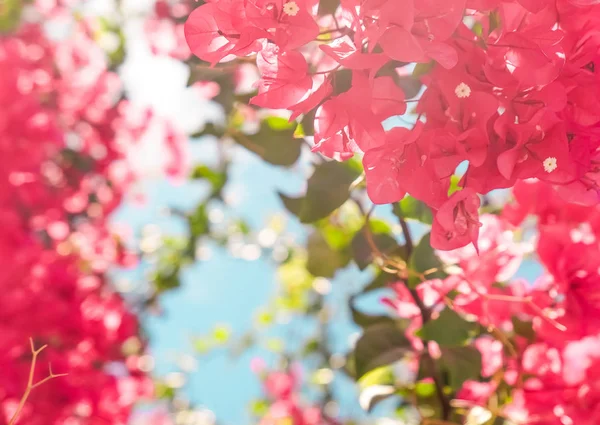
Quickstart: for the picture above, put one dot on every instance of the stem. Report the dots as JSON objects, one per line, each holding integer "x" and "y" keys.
{"x": 30, "y": 384}
{"x": 425, "y": 313}
{"x": 407, "y": 236}
{"x": 439, "y": 388}
{"x": 426, "y": 316}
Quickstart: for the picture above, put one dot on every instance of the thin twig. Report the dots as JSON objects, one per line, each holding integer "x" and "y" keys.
{"x": 30, "y": 384}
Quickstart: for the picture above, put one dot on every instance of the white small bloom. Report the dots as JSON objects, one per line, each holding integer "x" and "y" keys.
{"x": 550, "y": 164}
{"x": 291, "y": 8}
{"x": 462, "y": 91}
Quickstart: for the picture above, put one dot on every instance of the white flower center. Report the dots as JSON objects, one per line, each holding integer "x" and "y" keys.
{"x": 550, "y": 164}
{"x": 291, "y": 8}
{"x": 462, "y": 91}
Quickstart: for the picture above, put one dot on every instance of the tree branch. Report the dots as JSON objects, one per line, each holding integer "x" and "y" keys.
{"x": 30, "y": 384}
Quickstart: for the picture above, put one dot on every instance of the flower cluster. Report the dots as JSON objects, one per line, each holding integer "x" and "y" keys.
{"x": 285, "y": 404}
{"x": 508, "y": 87}
{"x": 63, "y": 128}
{"x": 541, "y": 338}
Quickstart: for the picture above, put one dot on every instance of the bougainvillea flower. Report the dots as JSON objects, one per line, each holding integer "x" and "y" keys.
{"x": 456, "y": 223}
{"x": 285, "y": 80}
{"x": 382, "y": 166}
{"x": 218, "y": 29}
{"x": 538, "y": 148}
{"x": 289, "y": 24}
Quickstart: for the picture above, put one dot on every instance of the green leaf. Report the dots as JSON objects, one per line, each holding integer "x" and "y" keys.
{"x": 342, "y": 81}
{"x": 373, "y": 395}
{"x": 364, "y": 320}
{"x": 216, "y": 179}
{"x": 328, "y": 188}
{"x": 461, "y": 364}
{"x": 163, "y": 391}
{"x": 524, "y": 329}
{"x": 363, "y": 253}
{"x": 381, "y": 376}
{"x": 279, "y": 123}
{"x": 259, "y": 408}
{"x": 422, "y": 69}
{"x": 322, "y": 259}
{"x": 311, "y": 346}
{"x": 454, "y": 187}
{"x": 381, "y": 344}
{"x": 166, "y": 280}
{"x": 380, "y": 226}
{"x": 425, "y": 389}
{"x": 327, "y": 7}
{"x": 198, "y": 222}
{"x": 338, "y": 235}
{"x": 477, "y": 29}
{"x": 10, "y": 14}
{"x": 495, "y": 21}
{"x": 78, "y": 160}
{"x": 299, "y": 132}
{"x": 382, "y": 280}
{"x": 274, "y": 142}
{"x": 449, "y": 329}
{"x": 422, "y": 260}
{"x": 308, "y": 123}
{"x": 413, "y": 209}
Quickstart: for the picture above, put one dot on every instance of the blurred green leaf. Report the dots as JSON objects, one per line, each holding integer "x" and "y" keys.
{"x": 216, "y": 179}
{"x": 363, "y": 253}
{"x": 449, "y": 329}
{"x": 77, "y": 160}
{"x": 524, "y": 329}
{"x": 454, "y": 187}
{"x": 413, "y": 209}
{"x": 342, "y": 81}
{"x": 259, "y": 408}
{"x": 382, "y": 280}
{"x": 364, "y": 320}
{"x": 461, "y": 364}
{"x": 274, "y": 142}
{"x": 381, "y": 376}
{"x": 425, "y": 389}
{"x": 308, "y": 123}
{"x": 10, "y": 14}
{"x": 328, "y": 188}
{"x": 327, "y": 7}
{"x": 422, "y": 69}
{"x": 337, "y": 236}
{"x": 279, "y": 123}
{"x": 163, "y": 391}
{"x": 198, "y": 221}
{"x": 312, "y": 346}
{"x": 299, "y": 132}
{"x": 380, "y": 226}
{"x": 423, "y": 259}
{"x": 381, "y": 344}
{"x": 495, "y": 21}
{"x": 322, "y": 259}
